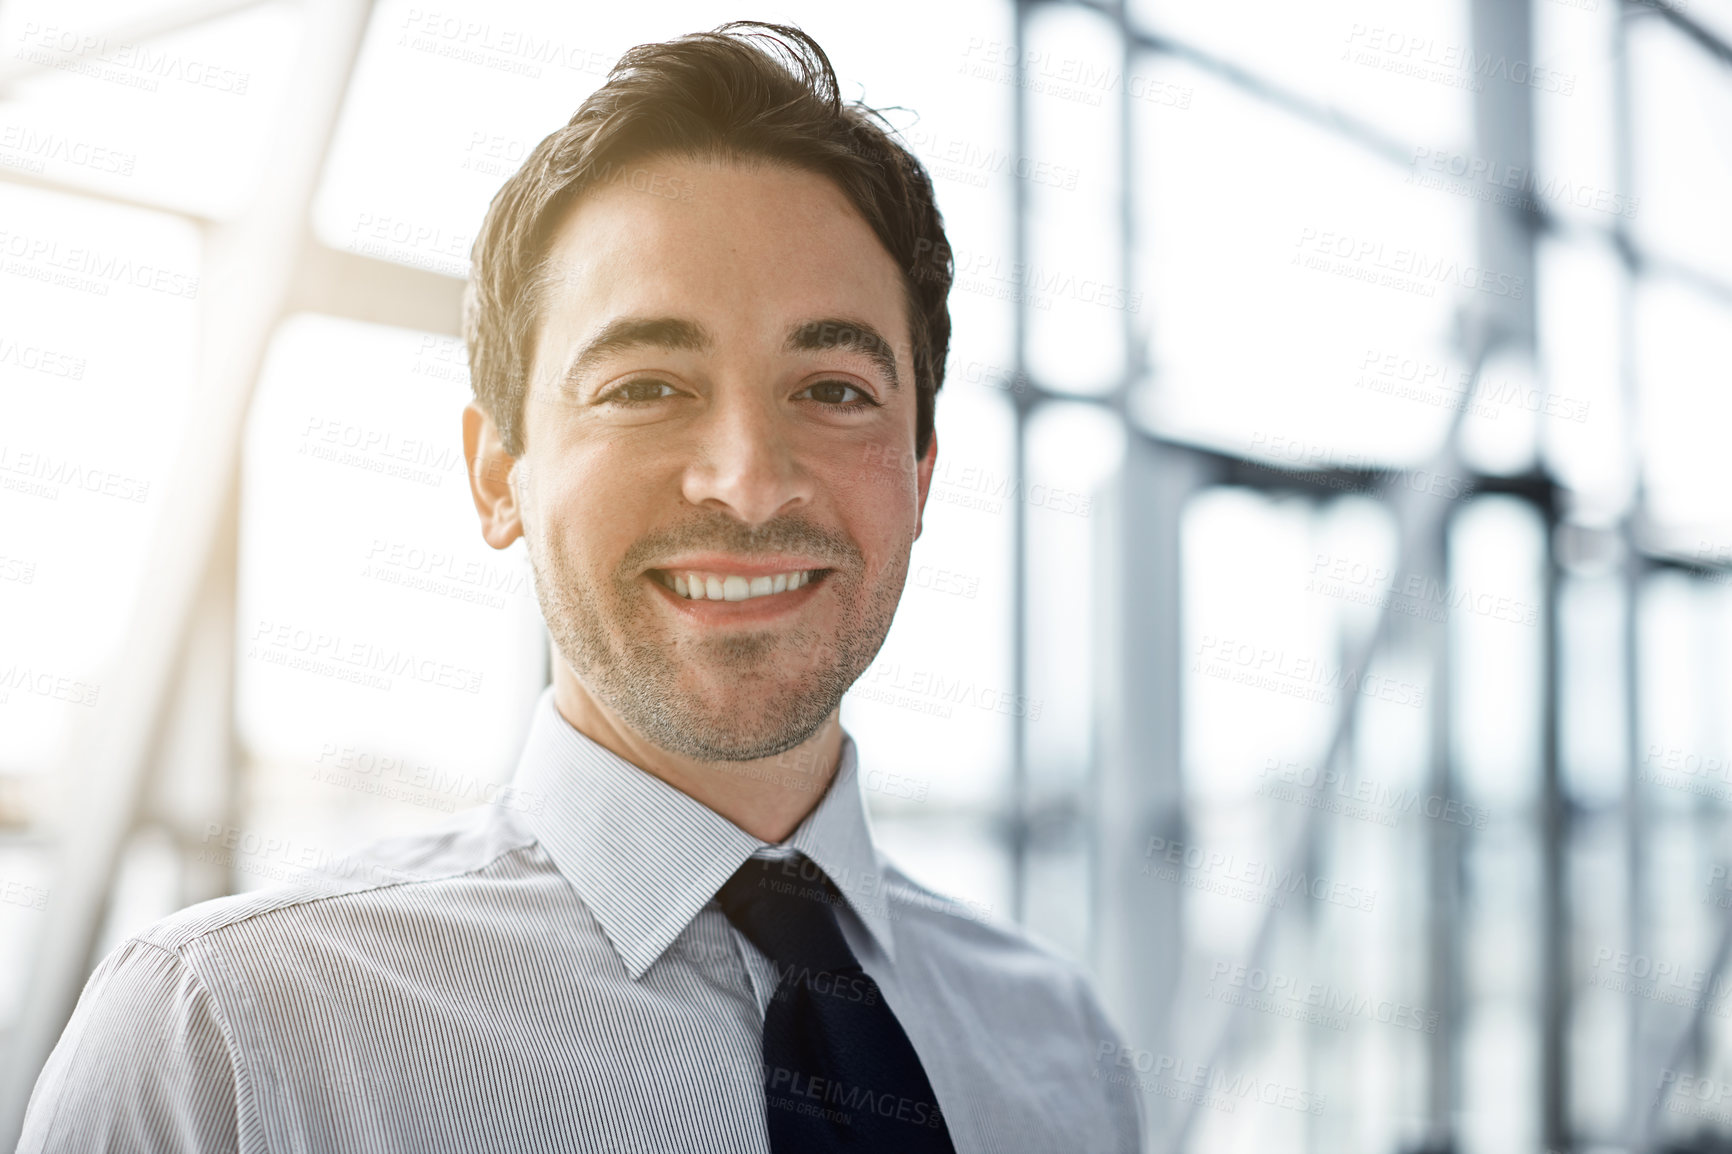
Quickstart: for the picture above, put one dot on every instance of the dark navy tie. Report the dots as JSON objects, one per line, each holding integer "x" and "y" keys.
{"x": 839, "y": 1072}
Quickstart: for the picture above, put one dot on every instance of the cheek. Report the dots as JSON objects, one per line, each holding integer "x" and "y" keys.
{"x": 876, "y": 503}
{"x": 585, "y": 503}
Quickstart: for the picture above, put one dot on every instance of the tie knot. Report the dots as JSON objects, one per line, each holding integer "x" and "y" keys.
{"x": 787, "y": 909}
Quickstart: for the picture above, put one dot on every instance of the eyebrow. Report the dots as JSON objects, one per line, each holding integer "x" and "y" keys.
{"x": 677, "y": 334}
{"x": 674, "y": 334}
{"x": 842, "y": 333}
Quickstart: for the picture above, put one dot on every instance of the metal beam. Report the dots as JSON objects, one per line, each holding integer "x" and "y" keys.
{"x": 248, "y": 266}
{"x": 363, "y": 288}
{"x": 1139, "y": 941}
{"x": 1418, "y": 518}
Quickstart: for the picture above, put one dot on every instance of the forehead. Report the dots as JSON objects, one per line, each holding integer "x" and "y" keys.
{"x": 745, "y": 248}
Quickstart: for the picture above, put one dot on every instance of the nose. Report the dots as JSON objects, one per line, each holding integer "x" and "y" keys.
{"x": 745, "y": 464}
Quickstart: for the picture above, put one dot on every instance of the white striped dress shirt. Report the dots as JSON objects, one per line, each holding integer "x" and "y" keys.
{"x": 550, "y": 973}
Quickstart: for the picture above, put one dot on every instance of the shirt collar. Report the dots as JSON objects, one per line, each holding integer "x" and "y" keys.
{"x": 645, "y": 857}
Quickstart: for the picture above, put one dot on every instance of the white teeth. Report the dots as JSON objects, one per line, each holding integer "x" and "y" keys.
{"x": 734, "y": 588}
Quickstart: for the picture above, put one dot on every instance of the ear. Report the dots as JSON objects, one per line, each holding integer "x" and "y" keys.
{"x": 923, "y": 474}
{"x": 490, "y": 470}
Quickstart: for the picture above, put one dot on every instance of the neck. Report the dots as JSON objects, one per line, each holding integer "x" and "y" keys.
{"x": 767, "y": 797}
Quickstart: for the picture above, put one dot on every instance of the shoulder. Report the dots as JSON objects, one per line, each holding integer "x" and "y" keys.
{"x": 146, "y": 1063}
{"x": 320, "y": 884}
{"x": 974, "y": 933}
{"x": 1033, "y": 1008}
{"x": 162, "y": 1049}
{"x": 973, "y": 942}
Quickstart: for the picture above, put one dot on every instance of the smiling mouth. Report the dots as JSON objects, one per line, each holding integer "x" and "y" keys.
{"x": 703, "y": 585}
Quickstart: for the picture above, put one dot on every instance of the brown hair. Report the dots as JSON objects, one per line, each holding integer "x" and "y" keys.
{"x": 746, "y": 90}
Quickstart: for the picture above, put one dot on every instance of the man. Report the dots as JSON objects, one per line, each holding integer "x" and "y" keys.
{"x": 706, "y": 325}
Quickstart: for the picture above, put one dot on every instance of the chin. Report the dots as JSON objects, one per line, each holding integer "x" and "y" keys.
{"x": 737, "y": 726}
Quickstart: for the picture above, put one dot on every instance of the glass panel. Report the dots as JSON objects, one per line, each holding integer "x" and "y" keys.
{"x": 184, "y": 119}
{"x": 387, "y": 657}
{"x": 1410, "y": 71}
{"x": 1497, "y": 591}
{"x": 1575, "y": 171}
{"x": 98, "y": 348}
{"x": 1584, "y": 427}
{"x": 1680, "y": 105}
{"x": 1497, "y": 601}
{"x": 1073, "y": 450}
{"x": 1300, "y": 292}
{"x": 1686, "y": 408}
{"x": 1073, "y": 283}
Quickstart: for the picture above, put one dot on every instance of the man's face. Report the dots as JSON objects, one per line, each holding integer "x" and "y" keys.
{"x": 718, "y": 489}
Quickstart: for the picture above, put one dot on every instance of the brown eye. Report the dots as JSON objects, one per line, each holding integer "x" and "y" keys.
{"x": 837, "y": 393}
{"x": 641, "y": 390}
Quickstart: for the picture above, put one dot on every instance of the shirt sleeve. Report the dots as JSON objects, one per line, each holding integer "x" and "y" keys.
{"x": 144, "y": 1065}
{"x": 1124, "y": 1101}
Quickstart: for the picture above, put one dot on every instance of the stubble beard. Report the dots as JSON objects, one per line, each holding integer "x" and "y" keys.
{"x": 768, "y": 689}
